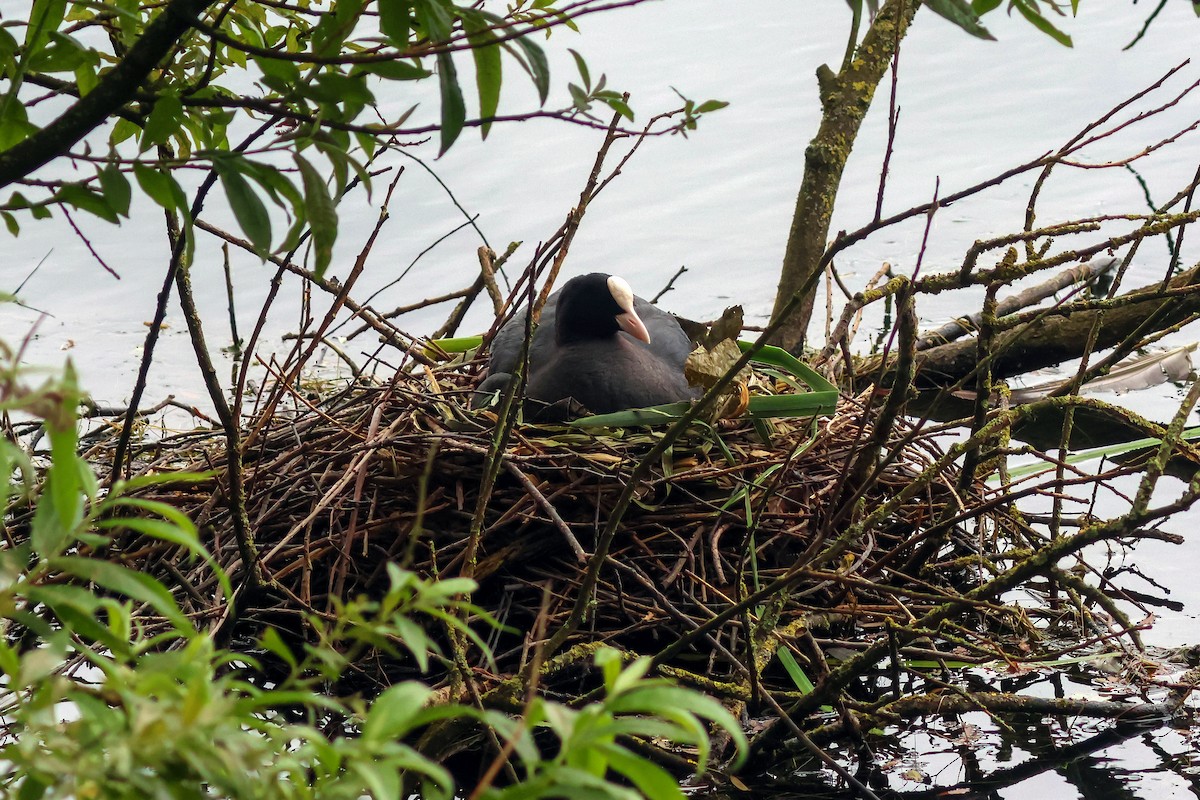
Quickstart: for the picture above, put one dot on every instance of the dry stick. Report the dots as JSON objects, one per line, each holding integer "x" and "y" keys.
{"x": 670, "y": 285}
{"x": 893, "y": 123}
{"x": 897, "y": 398}
{"x": 488, "y": 264}
{"x": 550, "y": 511}
{"x": 1083, "y": 373}
{"x": 1009, "y": 325}
{"x": 1009, "y": 270}
{"x": 818, "y": 751}
{"x": 1177, "y": 249}
{"x": 87, "y": 242}
{"x": 1068, "y": 425}
{"x": 841, "y": 677}
{"x": 983, "y": 388}
{"x": 428, "y": 249}
{"x": 802, "y": 570}
{"x": 501, "y": 759}
{"x": 1078, "y": 142}
{"x": 160, "y": 311}
{"x": 276, "y": 283}
{"x": 1158, "y": 465}
{"x": 297, "y": 358}
{"x": 1000, "y": 703}
{"x": 1079, "y": 274}
{"x": 1108, "y": 604}
{"x": 841, "y": 333}
{"x": 576, "y": 215}
{"x": 855, "y": 471}
{"x": 1134, "y": 340}
{"x": 508, "y": 413}
{"x": 284, "y": 264}
{"x": 237, "y": 499}
{"x": 233, "y": 331}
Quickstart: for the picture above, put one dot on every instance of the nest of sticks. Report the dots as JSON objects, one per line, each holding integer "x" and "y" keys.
{"x": 338, "y": 485}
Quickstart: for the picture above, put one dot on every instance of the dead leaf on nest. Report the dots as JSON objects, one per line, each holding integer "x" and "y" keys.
{"x": 705, "y": 367}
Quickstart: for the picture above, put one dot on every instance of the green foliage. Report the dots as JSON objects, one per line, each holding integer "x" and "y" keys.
{"x": 589, "y": 739}
{"x": 966, "y": 14}
{"x": 316, "y": 73}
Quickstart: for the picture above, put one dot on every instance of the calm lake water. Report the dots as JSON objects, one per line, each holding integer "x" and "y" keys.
{"x": 719, "y": 203}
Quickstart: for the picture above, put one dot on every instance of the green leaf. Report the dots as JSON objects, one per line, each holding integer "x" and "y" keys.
{"x": 77, "y": 608}
{"x": 793, "y": 669}
{"x": 161, "y": 188}
{"x": 164, "y": 121}
{"x": 86, "y": 78}
{"x": 62, "y": 54}
{"x": 44, "y": 19}
{"x": 661, "y": 700}
{"x": 710, "y": 105}
{"x": 128, "y": 583}
{"x": 536, "y": 65}
{"x": 392, "y": 712}
{"x": 279, "y": 74}
{"x": 86, "y": 199}
{"x": 13, "y": 458}
{"x": 981, "y": 7}
{"x": 454, "y": 110}
{"x": 414, "y": 638}
{"x": 396, "y": 70}
{"x": 1035, "y": 18}
{"x": 433, "y": 19}
{"x": 10, "y": 661}
{"x": 60, "y": 507}
{"x": 158, "y": 529}
{"x": 14, "y": 125}
{"x": 961, "y": 14}
{"x": 619, "y": 105}
{"x": 380, "y": 779}
{"x": 162, "y": 479}
{"x": 394, "y": 22}
{"x": 321, "y": 213}
{"x": 335, "y": 26}
{"x": 115, "y": 187}
{"x": 122, "y": 130}
{"x": 487, "y": 79}
{"x": 651, "y": 779}
{"x": 578, "y": 97}
{"x": 459, "y": 344}
{"x": 1083, "y": 456}
{"x": 582, "y": 66}
{"x": 779, "y": 357}
{"x": 248, "y": 207}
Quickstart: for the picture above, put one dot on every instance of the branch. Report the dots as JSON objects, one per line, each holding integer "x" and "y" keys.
{"x": 115, "y": 89}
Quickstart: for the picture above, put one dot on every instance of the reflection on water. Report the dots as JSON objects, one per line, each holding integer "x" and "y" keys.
{"x": 1030, "y": 756}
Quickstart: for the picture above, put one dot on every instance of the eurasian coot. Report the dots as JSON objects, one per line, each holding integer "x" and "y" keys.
{"x": 597, "y": 344}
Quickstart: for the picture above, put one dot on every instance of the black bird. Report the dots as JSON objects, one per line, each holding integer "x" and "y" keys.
{"x": 597, "y": 344}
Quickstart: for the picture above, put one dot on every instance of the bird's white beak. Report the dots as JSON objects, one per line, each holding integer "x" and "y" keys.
{"x": 629, "y": 321}
{"x": 632, "y": 324}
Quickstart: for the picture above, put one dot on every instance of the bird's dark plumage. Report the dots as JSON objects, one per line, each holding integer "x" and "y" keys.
{"x": 590, "y": 347}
